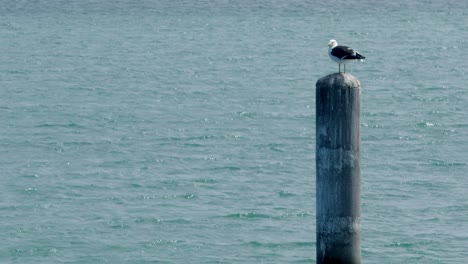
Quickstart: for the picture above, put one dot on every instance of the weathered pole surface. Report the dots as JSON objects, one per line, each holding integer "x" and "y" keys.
{"x": 338, "y": 179}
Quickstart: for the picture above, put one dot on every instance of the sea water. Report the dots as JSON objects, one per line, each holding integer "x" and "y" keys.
{"x": 160, "y": 131}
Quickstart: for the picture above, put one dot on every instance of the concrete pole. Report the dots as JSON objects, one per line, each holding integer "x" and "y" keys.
{"x": 338, "y": 179}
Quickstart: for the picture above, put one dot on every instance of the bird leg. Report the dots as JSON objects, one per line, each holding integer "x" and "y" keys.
{"x": 344, "y": 66}
{"x": 339, "y": 67}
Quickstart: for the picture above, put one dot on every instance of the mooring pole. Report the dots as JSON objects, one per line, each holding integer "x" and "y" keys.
{"x": 338, "y": 179}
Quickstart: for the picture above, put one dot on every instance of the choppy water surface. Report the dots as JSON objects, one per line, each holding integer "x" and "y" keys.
{"x": 183, "y": 132}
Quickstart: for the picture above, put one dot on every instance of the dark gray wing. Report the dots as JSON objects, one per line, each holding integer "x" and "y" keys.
{"x": 345, "y": 53}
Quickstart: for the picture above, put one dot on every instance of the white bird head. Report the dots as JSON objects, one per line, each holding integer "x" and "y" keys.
{"x": 332, "y": 43}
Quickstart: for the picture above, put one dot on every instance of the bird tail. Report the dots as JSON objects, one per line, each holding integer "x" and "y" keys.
{"x": 359, "y": 56}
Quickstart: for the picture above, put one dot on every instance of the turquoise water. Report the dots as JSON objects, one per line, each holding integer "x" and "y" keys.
{"x": 183, "y": 132}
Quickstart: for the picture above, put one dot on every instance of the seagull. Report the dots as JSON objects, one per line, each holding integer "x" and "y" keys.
{"x": 342, "y": 54}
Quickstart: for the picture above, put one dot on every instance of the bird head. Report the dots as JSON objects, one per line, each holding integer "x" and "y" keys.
{"x": 332, "y": 43}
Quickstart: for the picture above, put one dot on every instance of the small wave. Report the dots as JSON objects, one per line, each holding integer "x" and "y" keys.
{"x": 436, "y": 88}
{"x": 69, "y": 125}
{"x": 189, "y": 196}
{"x": 297, "y": 214}
{"x": 161, "y": 242}
{"x": 248, "y": 216}
{"x": 158, "y": 221}
{"x": 30, "y": 189}
{"x": 286, "y": 194}
{"x": 115, "y": 225}
{"x": 148, "y": 220}
{"x": 35, "y": 251}
{"x": 193, "y": 145}
{"x": 400, "y": 244}
{"x": 30, "y": 176}
{"x": 443, "y": 163}
{"x": 192, "y": 138}
{"x": 243, "y": 115}
{"x": 425, "y": 124}
{"x": 178, "y": 221}
{"x": 258, "y": 244}
{"x": 228, "y": 168}
{"x": 271, "y": 146}
{"x": 205, "y": 180}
